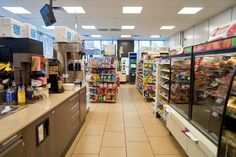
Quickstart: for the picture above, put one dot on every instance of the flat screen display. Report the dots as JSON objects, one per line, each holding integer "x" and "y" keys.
{"x": 47, "y": 14}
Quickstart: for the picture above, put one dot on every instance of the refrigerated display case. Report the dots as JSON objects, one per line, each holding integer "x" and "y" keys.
{"x": 212, "y": 75}
{"x": 227, "y": 140}
{"x": 180, "y": 83}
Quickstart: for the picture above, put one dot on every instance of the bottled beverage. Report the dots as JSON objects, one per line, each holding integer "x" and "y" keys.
{"x": 59, "y": 84}
{"x": 21, "y": 95}
{"x": 11, "y": 98}
{"x": 29, "y": 93}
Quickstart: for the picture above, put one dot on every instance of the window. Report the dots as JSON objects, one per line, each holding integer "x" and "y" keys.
{"x": 140, "y": 46}
{"x": 143, "y": 45}
{"x": 47, "y": 44}
{"x": 105, "y": 42}
{"x": 136, "y": 46}
{"x": 92, "y": 44}
{"x": 157, "y": 44}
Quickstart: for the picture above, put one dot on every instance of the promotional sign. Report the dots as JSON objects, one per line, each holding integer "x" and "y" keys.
{"x": 223, "y": 31}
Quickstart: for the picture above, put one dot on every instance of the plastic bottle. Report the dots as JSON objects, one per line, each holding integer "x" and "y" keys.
{"x": 10, "y": 96}
{"x": 21, "y": 95}
{"x": 29, "y": 93}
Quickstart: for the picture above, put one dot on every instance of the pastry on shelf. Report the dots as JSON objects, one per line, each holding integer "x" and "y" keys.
{"x": 225, "y": 80}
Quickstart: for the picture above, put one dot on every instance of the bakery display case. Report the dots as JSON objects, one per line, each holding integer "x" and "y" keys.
{"x": 180, "y": 83}
{"x": 227, "y": 140}
{"x": 212, "y": 75}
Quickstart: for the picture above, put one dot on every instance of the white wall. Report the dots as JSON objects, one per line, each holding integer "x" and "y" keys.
{"x": 200, "y": 32}
{"x": 175, "y": 40}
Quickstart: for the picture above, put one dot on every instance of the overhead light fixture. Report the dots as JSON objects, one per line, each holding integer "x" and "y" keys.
{"x": 88, "y": 27}
{"x": 49, "y": 27}
{"x": 132, "y": 10}
{"x": 127, "y": 27}
{"x": 155, "y": 36}
{"x": 96, "y": 36}
{"x": 190, "y": 10}
{"x": 74, "y": 10}
{"x": 125, "y": 36}
{"x": 167, "y": 27}
{"x": 17, "y": 10}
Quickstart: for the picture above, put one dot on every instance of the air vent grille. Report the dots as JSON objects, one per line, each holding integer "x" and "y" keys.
{"x": 103, "y": 29}
{"x": 115, "y": 29}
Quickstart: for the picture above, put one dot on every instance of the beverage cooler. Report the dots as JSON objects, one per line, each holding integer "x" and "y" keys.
{"x": 132, "y": 67}
{"x": 204, "y": 92}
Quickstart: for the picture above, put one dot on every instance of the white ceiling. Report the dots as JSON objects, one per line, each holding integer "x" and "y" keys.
{"x": 108, "y": 14}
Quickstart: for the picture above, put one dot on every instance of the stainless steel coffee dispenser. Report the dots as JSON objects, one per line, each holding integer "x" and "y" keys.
{"x": 70, "y": 58}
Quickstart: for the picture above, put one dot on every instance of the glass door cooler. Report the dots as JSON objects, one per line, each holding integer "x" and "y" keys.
{"x": 212, "y": 75}
{"x": 180, "y": 83}
{"x": 227, "y": 141}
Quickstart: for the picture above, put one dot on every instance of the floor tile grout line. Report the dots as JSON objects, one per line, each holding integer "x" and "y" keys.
{"x": 103, "y": 133}
{"x": 82, "y": 133}
{"x": 144, "y": 128}
{"x": 126, "y": 148}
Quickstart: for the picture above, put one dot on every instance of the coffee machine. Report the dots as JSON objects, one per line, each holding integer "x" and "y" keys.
{"x": 54, "y": 76}
{"x": 70, "y": 56}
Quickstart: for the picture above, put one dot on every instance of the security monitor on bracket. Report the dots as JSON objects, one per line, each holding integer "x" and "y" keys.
{"x": 47, "y": 14}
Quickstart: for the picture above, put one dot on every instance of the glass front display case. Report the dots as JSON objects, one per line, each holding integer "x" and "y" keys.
{"x": 212, "y": 75}
{"x": 180, "y": 84}
{"x": 227, "y": 143}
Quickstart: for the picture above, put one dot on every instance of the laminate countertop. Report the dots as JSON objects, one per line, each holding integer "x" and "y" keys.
{"x": 15, "y": 122}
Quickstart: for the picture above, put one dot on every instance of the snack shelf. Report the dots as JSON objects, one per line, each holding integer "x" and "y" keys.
{"x": 161, "y": 113}
{"x": 167, "y": 78}
{"x": 163, "y": 95}
{"x": 102, "y": 67}
{"x": 165, "y": 70}
{"x": 163, "y": 82}
{"x": 102, "y": 81}
{"x": 167, "y": 88}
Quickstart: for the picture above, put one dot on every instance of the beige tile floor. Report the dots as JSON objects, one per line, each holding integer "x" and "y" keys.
{"x": 127, "y": 128}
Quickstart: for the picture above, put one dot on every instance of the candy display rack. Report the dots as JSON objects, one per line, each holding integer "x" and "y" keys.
{"x": 102, "y": 80}
{"x": 139, "y": 76}
{"x": 163, "y": 87}
{"x": 149, "y": 79}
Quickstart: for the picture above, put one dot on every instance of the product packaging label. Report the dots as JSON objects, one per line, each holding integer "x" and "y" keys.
{"x": 21, "y": 97}
{"x": 16, "y": 30}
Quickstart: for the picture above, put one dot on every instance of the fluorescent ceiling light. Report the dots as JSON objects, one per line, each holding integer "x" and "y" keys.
{"x": 49, "y": 27}
{"x": 167, "y": 27}
{"x": 132, "y": 10}
{"x": 74, "y": 10}
{"x": 125, "y": 36}
{"x": 88, "y": 27}
{"x": 96, "y": 36}
{"x": 17, "y": 10}
{"x": 190, "y": 10}
{"x": 127, "y": 27}
{"x": 155, "y": 36}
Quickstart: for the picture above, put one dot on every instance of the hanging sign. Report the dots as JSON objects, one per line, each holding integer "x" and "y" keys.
{"x": 223, "y": 31}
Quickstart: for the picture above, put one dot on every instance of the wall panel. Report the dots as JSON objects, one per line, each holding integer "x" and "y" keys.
{"x": 201, "y": 32}
{"x": 188, "y": 37}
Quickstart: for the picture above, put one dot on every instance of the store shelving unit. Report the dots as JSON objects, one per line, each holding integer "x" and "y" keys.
{"x": 149, "y": 79}
{"x": 139, "y": 76}
{"x": 163, "y": 87}
{"x": 102, "y": 80}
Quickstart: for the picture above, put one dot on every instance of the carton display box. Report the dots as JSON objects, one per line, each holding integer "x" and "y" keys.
{"x": 10, "y": 28}
{"x": 29, "y": 31}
